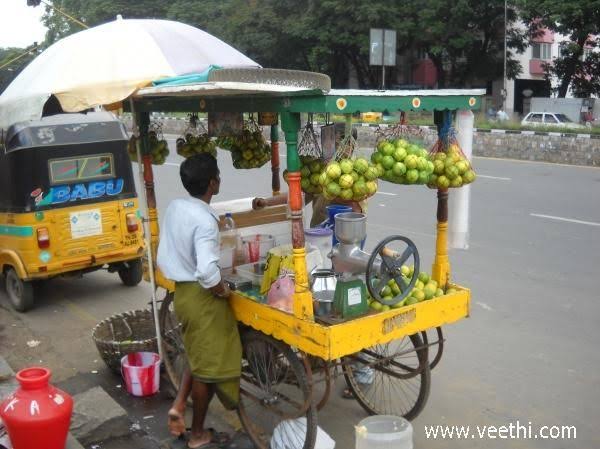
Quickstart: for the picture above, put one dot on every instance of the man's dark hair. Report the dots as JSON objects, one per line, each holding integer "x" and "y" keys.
{"x": 196, "y": 173}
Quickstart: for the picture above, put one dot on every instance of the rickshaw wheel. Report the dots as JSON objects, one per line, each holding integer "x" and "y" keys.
{"x": 171, "y": 342}
{"x": 131, "y": 273}
{"x": 275, "y": 396}
{"x": 396, "y": 384}
{"x": 20, "y": 293}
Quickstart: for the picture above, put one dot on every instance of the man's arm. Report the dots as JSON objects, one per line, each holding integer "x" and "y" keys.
{"x": 206, "y": 246}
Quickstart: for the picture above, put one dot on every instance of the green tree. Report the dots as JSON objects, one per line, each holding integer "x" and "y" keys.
{"x": 585, "y": 81}
{"x": 95, "y": 12}
{"x": 465, "y": 39}
{"x": 336, "y": 34}
{"x": 579, "y": 20}
{"x": 8, "y": 73}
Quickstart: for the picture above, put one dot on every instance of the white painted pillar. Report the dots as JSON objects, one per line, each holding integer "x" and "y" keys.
{"x": 458, "y": 202}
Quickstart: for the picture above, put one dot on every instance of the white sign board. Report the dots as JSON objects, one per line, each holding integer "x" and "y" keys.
{"x": 86, "y": 223}
{"x": 383, "y": 47}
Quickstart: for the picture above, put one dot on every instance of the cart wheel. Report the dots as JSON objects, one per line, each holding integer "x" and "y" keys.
{"x": 275, "y": 396}
{"x": 398, "y": 380}
{"x": 320, "y": 379}
{"x": 172, "y": 344}
{"x": 131, "y": 273}
{"x": 439, "y": 343}
{"x": 20, "y": 292}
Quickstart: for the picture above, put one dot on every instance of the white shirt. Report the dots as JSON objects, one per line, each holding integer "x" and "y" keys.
{"x": 189, "y": 243}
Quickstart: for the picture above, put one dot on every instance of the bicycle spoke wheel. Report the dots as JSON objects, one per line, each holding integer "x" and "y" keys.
{"x": 172, "y": 344}
{"x": 390, "y": 379}
{"x": 275, "y": 398}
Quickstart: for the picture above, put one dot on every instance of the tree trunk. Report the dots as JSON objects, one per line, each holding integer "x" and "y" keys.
{"x": 565, "y": 82}
{"x": 439, "y": 67}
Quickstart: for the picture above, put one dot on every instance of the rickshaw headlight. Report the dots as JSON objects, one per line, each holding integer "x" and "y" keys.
{"x": 43, "y": 238}
{"x": 132, "y": 223}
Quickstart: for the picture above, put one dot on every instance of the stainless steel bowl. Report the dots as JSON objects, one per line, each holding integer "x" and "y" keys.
{"x": 350, "y": 227}
{"x": 323, "y": 306}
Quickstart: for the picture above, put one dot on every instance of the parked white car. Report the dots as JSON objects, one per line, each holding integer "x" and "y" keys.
{"x": 549, "y": 119}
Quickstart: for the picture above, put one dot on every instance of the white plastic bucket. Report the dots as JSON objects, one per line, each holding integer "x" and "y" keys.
{"x": 141, "y": 373}
{"x": 384, "y": 432}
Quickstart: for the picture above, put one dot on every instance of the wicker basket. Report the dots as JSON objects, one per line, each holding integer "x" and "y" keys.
{"x": 123, "y": 334}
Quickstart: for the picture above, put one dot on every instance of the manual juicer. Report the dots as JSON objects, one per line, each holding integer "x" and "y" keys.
{"x": 350, "y": 263}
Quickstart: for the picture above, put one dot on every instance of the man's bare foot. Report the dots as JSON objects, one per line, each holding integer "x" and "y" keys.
{"x": 176, "y": 422}
{"x": 202, "y": 440}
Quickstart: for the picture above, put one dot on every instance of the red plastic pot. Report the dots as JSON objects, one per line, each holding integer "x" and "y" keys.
{"x": 37, "y": 415}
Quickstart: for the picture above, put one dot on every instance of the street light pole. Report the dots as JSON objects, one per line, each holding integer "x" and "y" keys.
{"x": 504, "y": 80}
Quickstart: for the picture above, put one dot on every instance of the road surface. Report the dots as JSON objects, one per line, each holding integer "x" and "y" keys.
{"x": 528, "y": 353}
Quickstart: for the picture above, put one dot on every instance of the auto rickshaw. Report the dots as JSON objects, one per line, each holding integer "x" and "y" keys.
{"x": 68, "y": 203}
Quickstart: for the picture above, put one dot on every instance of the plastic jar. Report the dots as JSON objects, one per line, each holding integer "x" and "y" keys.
{"x": 320, "y": 238}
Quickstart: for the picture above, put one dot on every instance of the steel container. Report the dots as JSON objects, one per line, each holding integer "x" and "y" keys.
{"x": 350, "y": 227}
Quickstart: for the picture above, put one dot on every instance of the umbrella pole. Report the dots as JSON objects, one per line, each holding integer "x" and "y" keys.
{"x": 147, "y": 235}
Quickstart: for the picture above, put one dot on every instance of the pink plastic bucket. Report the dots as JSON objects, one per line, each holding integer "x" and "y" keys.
{"x": 141, "y": 372}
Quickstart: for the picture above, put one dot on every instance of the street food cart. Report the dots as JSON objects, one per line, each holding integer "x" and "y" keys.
{"x": 290, "y": 359}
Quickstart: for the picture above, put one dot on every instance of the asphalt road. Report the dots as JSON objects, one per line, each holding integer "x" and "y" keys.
{"x": 528, "y": 353}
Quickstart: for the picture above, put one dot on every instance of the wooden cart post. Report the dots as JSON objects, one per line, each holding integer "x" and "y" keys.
{"x": 303, "y": 307}
{"x": 440, "y": 271}
{"x": 275, "y": 183}
{"x": 144, "y": 122}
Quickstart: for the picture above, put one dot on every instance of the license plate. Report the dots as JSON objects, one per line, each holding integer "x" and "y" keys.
{"x": 86, "y": 223}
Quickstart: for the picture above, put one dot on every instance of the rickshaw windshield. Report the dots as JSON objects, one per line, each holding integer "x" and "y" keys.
{"x": 82, "y": 168}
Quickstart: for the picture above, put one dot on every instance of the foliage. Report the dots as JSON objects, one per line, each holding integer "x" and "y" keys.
{"x": 465, "y": 39}
{"x": 95, "y": 12}
{"x": 8, "y": 73}
{"x": 580, "y": 21}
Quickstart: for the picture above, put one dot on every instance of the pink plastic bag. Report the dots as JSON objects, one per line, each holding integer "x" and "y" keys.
{"x": 281, "y": 294}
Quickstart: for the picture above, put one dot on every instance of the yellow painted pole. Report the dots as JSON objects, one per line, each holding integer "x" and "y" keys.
{"x": 440, "y": 271}
{"x": 303, "y": 307}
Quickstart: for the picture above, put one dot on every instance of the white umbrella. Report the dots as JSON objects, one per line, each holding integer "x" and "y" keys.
{"x": 107, "y": 63}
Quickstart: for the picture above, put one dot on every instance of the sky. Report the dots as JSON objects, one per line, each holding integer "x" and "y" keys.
{"x": 20, "y": 24}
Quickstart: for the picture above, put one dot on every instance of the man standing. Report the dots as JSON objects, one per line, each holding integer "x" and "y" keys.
{"x": 188, "y": 254}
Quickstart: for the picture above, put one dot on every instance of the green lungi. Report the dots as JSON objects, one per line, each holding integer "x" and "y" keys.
{"x": 211, "y": 340}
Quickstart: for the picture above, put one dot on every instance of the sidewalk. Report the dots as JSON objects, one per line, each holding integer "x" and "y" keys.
{"x": 106, "y": 416}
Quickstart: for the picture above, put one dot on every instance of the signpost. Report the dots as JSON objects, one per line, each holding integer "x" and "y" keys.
{"x": 382, "y": 50}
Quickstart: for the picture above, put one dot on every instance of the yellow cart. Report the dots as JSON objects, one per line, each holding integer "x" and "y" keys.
{"x": 291, "y": 358}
